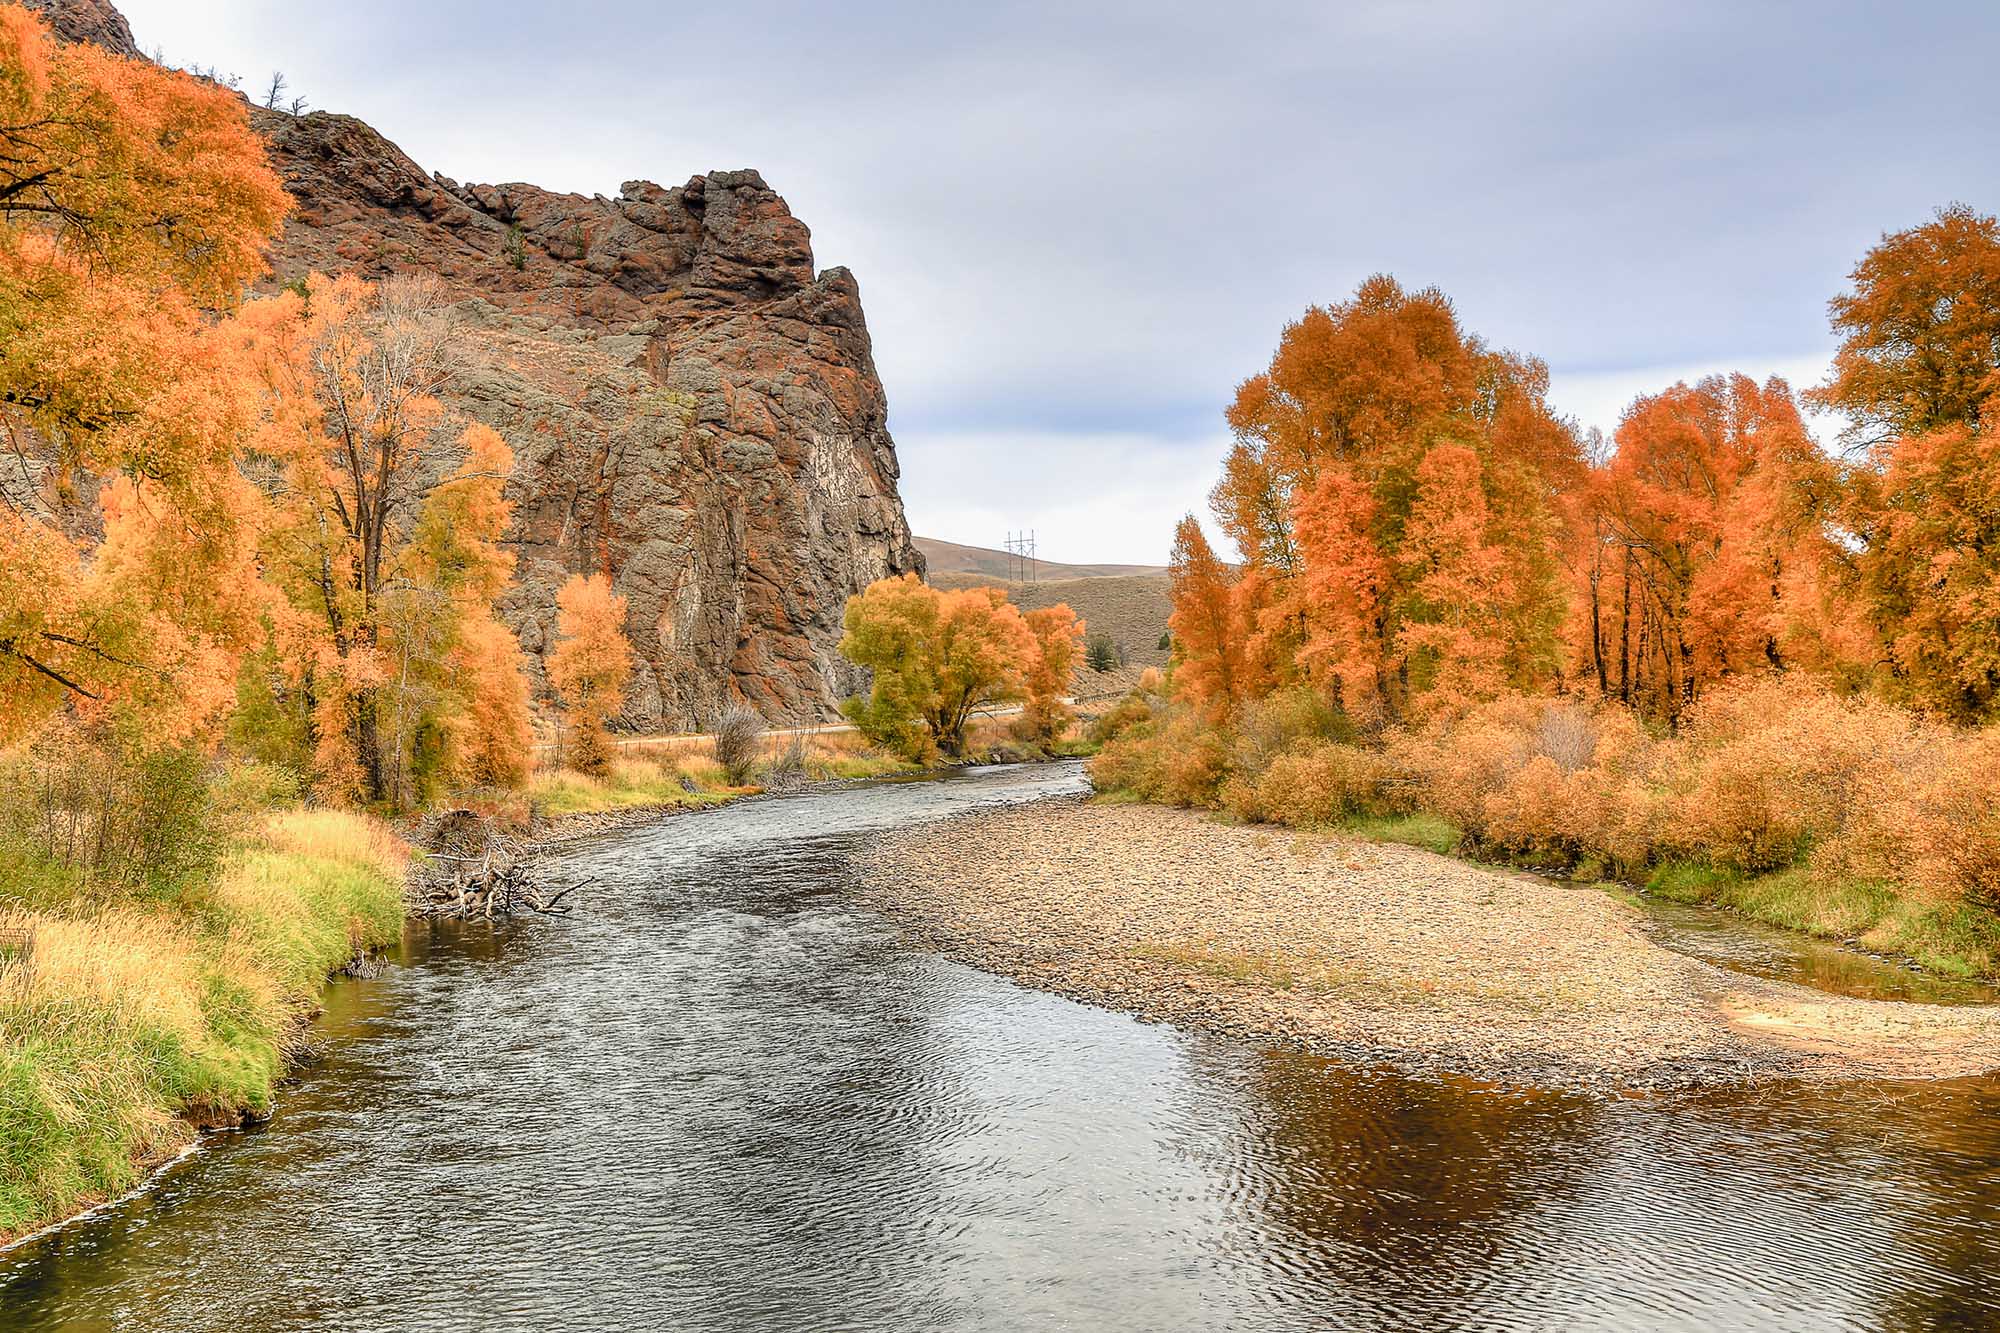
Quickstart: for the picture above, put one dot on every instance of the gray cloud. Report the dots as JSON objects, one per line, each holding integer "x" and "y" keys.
{"x": 1075, "y": 224}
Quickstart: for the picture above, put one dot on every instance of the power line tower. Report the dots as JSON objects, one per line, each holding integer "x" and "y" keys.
{"x": 1022, "y": 566}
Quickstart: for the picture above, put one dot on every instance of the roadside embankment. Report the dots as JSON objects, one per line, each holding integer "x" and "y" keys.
{"x": 1377, "y": 951}
{"x": 129, "y": 1023}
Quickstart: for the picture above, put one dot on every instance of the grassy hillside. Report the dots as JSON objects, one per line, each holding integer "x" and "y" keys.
{"x": 1131, "y": 608}
{"x": 941, "y": 557}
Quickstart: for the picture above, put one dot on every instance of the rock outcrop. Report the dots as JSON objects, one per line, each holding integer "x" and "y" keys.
{"x": 692, "y": 408}
{"x": 94, "y": 21}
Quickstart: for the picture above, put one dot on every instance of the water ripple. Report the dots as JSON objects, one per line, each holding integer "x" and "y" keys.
{"x": 727, "y": 1097}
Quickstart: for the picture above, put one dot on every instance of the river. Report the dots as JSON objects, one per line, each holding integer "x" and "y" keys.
{"x": 725, "y": 1096}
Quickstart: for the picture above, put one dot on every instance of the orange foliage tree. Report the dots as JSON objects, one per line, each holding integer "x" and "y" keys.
{"x": 1920, "y": 330}
{"x": 1918, "y": 375}
{"x": 1210, "y": 635}
{"x": 1328, "y": 467}
{"x": 384, "y": 539}
{"x": 590, "y": 666}
{"x": 1717, "y": 547}
{"x": 132, "y": 199}
{"x": 1058, "y": 635}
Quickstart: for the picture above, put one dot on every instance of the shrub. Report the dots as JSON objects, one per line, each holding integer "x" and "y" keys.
{"x": 1452, "y": 765}
{"x": 1321, "y": 783}
{"x": 1195, "y": 763}
{"x": 1941, "y": 832}
{"x": 116, "y": 818}
{"x": 738, "y": 733}
{"x": 1100, "y": 653}
{"x": 1127, "y": 713}
{"x": 1175, "y": 759}
{"x": 1283, "y": 720}
{"x": 1129, "y": 763}
{"x": 1772, "y": 770}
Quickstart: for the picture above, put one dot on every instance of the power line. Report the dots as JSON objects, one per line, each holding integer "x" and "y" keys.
{"x": 1022, "y": 565}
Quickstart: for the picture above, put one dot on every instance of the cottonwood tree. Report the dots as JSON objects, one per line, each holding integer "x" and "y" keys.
{"x": 1318, "y": 489}
{"x": 133, "y": 201}
{"x": 1059, "y": 635}
{"x": 1208, "y": 630}
{"x": 590, "y": 666}
{"x": 1920, "y": 333}
{"x": 937, "y": 657}
{"x": 387, "y": 512}
{"x": 1918, "y": 376}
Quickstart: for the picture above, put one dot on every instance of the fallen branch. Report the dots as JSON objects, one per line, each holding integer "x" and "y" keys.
{"x": 471, "y": 869}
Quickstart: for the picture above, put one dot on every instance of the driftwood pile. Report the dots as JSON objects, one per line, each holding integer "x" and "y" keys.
{"x": 472, "y": 868}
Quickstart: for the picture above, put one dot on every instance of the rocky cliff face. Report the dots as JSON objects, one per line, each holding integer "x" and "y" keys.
{"x": 692, "y": 408}
{"x": 88, "y": 21}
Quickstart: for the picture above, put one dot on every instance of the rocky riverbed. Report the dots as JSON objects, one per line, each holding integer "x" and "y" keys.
{"x": 1379, "y": 952}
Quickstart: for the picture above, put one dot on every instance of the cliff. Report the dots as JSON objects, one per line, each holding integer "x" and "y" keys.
{"x": 692, "y": 407}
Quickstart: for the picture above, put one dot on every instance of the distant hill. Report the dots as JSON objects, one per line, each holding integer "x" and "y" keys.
{"x": 1131, "y": 608}
{"x": 950, "y": 558}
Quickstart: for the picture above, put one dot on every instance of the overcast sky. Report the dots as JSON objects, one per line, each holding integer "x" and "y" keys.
{"x": 1078, "y": 226}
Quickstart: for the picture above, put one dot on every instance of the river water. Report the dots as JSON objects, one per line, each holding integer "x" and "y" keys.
{"x": 725, "y": 1096}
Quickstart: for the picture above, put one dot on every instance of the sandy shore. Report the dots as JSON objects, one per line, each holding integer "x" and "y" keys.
{"x": 1377, "y": 952}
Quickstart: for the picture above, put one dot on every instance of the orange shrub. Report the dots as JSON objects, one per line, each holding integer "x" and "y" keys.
{"x": 1175, "y": 760}
{"x": 1320, "y": 783}
{"x": 1775, "y": 769}
{"x": 1936, "y": 825}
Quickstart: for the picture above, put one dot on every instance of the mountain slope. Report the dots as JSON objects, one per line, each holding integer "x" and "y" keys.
{"x": 942, "y": 557}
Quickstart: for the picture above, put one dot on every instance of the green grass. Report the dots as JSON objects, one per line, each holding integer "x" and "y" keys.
{"x": 139, "y": 1018}
{"x": 1430, "y": 832}
{"x": 1950, "y": 939}
{"x": 633, "y": 786}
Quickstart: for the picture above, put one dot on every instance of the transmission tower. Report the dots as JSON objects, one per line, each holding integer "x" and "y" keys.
{"x": 1022, "y": 566}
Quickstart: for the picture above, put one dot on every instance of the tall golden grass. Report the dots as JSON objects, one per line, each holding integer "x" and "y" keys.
{"x": 682, "y": 771}
{"x": 128, "y": 1023}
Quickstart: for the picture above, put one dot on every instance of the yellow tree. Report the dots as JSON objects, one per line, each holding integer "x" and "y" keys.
{"x": 590, "y": 666}
{"x": 936, "y": 658}
{"x": 132, "y": 199}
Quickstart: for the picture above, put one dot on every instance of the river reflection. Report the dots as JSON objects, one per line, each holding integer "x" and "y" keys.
{"x": 725, "y": 1097}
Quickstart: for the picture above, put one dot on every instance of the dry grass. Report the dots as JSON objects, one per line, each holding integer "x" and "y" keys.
{"x": 1131, "y": 608}
{"x": 131, "y": 1022}
{"x": 681, "y": 772}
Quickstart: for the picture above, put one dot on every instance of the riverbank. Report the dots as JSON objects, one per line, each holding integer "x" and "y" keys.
{"x": 1377, "y": 951}
{"x": 129, "y": 1024}
{"x": 683, "y": 777}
